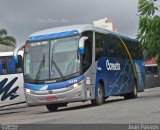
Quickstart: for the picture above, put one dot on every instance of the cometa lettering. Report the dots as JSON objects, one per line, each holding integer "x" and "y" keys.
{"x": 113, "y": 66}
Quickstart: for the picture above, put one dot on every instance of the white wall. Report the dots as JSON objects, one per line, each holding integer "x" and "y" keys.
{"x": 104, "y": 23}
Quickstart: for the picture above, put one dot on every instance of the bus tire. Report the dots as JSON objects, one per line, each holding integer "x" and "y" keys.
{"x": 52, "y": 107}
{"x": 100, "y": 98}
{"x": 133, "y": 94}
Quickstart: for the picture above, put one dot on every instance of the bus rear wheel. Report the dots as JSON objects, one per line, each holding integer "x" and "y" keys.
{"x": 100, "y": 98}
{"x": 133, "y": 94}
{"x": 52, "y": 107}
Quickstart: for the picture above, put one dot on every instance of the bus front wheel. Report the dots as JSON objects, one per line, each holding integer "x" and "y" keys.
{"x": 52, "y": 107}
{"x": 100, "y": 98}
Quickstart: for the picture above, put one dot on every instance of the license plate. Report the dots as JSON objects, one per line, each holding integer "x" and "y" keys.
{"x": 51, "y": 98}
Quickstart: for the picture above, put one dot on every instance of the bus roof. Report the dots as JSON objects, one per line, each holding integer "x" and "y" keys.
{"x": 63, "y": 31}
{"x": 78, "y": 28}
{"x": 10, "y": 53}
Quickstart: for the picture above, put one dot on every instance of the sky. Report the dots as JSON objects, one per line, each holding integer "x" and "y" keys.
{"x": 24, "y": 17}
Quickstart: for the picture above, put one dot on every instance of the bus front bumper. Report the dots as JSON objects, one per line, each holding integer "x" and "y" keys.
{"x": 63, "y": 95}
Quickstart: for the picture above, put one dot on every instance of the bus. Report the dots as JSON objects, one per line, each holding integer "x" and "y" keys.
{"x": 80, "y": 63}
{"x": 11, "y": 79}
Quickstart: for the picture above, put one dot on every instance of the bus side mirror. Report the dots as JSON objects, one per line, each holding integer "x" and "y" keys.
{"x": 81, "y": 45}
{"x": 15, "y": 53}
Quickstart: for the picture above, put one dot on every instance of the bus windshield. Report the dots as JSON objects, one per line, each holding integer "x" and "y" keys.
{"x": 52, "y": 59}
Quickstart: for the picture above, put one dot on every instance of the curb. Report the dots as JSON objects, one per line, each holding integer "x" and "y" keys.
{"x": 16, "y": 106}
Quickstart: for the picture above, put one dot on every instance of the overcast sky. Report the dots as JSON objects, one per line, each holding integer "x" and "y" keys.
{"x": 24, "y": 17}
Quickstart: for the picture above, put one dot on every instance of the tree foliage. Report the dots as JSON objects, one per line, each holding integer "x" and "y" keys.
{"x": 5, "y": 39}
{"x": 149, "y": 28}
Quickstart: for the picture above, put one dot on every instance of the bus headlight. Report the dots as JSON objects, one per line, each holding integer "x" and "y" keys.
{"x": 76, "y": 85}
{"x": 28, "y": 91}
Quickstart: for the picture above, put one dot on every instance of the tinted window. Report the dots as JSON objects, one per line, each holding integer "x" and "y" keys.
{"x": 11, "y": 65}
{"x": 8, "y": 65}
{"x": 148, "y": 69}
{"x": 19, "y": 65}
{"x": 100, "y": 42}
{"x": 155, "y": 69}
{"x": 134, "y": 49}
{"x": 87, "y": 57}
{"x": 120, "y": 51}
{"x": 3, "y": 66}
{"x": 110, "y": 46}
{"x": 151, "y": 69}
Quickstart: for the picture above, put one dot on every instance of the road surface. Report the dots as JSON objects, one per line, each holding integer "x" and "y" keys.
{"x": 116, "y": 110}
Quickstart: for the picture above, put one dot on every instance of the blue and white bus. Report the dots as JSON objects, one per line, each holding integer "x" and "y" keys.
{"x": 80, "y": 63}
{"x": 11, "y": 79}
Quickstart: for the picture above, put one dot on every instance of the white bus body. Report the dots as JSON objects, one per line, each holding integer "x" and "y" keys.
{"x": 11, "y": 79}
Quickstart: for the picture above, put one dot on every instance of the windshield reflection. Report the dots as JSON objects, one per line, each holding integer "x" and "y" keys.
{"x": 52, "y": 59}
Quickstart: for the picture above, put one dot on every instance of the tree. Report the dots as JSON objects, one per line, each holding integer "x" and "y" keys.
{"x": 149, "y": 28}
{"x": 5, "y": 39}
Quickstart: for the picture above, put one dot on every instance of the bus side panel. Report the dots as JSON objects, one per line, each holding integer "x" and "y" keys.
{"x": 141, "y": 75}
{"x": 11, "y": 89}
{"x": 116, "y": 82}
{"x": 89, "y": 77}
{"x": 120, "y": 81}
{"x": 101, "y": 75}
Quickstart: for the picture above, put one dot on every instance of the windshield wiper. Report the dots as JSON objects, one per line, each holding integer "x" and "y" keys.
{"x": 59, "y": 71}
{"x": 40, "y": 67}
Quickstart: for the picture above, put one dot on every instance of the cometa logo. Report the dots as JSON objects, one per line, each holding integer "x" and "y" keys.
{"x": 113, "y": 66}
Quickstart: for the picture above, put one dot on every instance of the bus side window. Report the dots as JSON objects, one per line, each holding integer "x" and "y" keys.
{"x": 111, "y": 46}
{"x": 3, "y": 67}
{"x": 111, "y": 49}
{"x": 100, "y": 45}
{"x": 19, "y": 65}
{"x": 134, "y": 49}
{"x": 11, "y": 65}
{"x": 87, "y": 58}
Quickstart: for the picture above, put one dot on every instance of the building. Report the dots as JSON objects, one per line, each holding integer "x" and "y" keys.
{"x": 4, "y": 48}
{"x": 105, "y": 23}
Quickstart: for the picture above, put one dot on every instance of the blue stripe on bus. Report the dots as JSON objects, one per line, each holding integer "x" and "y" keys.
{"x": 53, "y": 86}
{"x": 53, "y": 35}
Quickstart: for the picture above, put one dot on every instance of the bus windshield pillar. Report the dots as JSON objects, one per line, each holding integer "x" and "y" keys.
{"x": 16, "y": 52}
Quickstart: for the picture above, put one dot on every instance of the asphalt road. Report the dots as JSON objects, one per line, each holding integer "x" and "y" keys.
{"x": 116, "y": 110}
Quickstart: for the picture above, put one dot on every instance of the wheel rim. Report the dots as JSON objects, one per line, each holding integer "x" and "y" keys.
{"x": 100, "y": 95}
{"x": 135, "y": 90}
